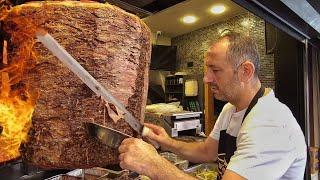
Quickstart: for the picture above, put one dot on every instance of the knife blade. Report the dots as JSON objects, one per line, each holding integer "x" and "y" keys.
{"x": 108, "y": 136}
{"x": 57, "y": 50}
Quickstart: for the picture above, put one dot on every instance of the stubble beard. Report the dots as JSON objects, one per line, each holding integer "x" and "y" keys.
{"x": 228, "y": 92}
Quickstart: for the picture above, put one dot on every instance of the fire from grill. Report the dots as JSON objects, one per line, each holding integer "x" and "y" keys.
{"x": 17, "y": 101}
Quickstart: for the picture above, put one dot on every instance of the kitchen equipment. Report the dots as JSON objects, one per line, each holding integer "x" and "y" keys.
{"x": 56, "y": 49}
{"x": 92, "y": 173}
{"x": 177, "y": 122}
{"x": 108, "y": 136}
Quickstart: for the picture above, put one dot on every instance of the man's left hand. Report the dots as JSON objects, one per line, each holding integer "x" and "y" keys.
{"x": 139, "y": 156}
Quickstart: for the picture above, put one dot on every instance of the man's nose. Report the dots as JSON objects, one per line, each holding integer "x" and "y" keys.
{"x": 208, "y": 78}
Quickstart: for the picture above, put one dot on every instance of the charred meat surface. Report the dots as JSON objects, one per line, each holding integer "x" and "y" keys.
{"x": 114, "y": 47}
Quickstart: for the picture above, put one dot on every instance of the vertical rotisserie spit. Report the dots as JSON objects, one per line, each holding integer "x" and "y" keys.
{"x": 113, "y": 45}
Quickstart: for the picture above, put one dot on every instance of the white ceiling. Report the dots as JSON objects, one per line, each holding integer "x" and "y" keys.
{"x": 168, "y": 21}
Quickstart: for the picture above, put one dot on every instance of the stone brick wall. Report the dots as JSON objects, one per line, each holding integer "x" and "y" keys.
{"x": 191, "y": 47}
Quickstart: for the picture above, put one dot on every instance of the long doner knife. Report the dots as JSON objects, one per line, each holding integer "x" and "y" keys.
{"x": 56, "y": 49}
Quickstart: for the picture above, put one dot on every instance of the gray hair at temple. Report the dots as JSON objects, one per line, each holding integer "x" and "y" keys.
{"x": 242, "y": 47}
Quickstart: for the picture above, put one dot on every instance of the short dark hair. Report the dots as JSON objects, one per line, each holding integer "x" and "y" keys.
{"x": 242, "y": 47}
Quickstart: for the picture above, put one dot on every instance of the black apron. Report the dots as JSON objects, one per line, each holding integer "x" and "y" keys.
{"x": 227, "y": 143}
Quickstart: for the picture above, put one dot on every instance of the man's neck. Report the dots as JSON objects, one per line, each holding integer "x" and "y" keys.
{"x": 246, "y": 96}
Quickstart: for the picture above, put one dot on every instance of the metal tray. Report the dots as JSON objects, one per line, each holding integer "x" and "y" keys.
{"x": 201, "y": 170}
{"x": 96, "y": 174}
{"x": 92, "y": 173}
{"x": 176, "y": 160}
{"x": 77, "y": 173}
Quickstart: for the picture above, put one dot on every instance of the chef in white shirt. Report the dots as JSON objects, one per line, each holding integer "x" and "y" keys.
{"x": 255, "y": 136}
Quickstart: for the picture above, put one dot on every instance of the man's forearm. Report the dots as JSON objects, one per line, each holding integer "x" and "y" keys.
{"x": 166, "y": 170}
{"x": 194, "y": 152}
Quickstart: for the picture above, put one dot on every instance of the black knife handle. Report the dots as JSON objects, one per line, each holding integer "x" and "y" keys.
{"x": 133, "y": 174}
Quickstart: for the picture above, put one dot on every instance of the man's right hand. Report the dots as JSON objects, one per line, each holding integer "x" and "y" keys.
{"x": 159, "y": 135}
{"x": 206, "y": 151}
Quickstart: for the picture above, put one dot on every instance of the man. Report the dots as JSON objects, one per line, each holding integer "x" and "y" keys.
{"x": 255, "y": 136}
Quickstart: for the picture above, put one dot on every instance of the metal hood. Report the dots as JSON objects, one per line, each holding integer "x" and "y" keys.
{"x": 308, "y": 10}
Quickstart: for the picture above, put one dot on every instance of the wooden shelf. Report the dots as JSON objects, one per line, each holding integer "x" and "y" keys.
{"x": 174, "y": 84}
{"x": 174, "y": 88}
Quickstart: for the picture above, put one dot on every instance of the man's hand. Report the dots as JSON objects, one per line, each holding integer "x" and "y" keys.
{"x": 195, "y": 152}
{"x": 159, "y": 135}
{"x": 139, "y": 156}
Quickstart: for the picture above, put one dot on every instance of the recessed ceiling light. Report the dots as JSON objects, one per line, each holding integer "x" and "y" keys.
{"x": 245, "y": 23}
{"x": 189, "y": 19}
{"x": 218, "y": 9}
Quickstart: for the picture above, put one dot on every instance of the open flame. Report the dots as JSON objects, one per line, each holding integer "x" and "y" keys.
{"x": 15, "y": 119}
{"x": 17, "y": 100}
{"x": 5, "y": 6}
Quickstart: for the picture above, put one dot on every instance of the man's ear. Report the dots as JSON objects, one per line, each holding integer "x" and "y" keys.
{"x": 247, "y": 70}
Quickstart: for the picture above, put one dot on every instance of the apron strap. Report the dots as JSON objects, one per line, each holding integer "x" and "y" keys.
{"x": 227, "y": 152}
{"x": 254, "y": 101}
